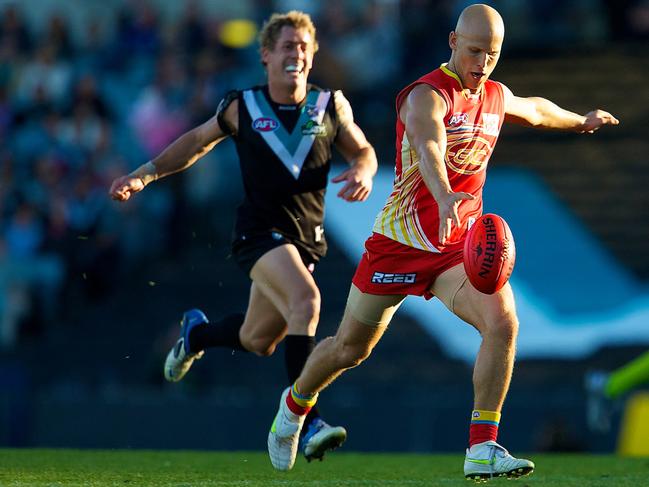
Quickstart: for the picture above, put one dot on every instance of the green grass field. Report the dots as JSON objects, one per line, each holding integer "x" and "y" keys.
{"x": 68, "y": 468}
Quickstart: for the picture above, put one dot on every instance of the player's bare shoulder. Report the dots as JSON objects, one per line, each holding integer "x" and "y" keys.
{"x": 223, "y": 124}
{"x": 344, "y": 111}
{"x": 424, "y": 100}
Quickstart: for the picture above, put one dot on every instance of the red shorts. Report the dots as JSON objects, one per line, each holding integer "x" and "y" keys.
{"x": 390, "y": 267}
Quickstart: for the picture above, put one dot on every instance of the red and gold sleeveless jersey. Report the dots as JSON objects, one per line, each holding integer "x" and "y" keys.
{"x": 473, "y": 122}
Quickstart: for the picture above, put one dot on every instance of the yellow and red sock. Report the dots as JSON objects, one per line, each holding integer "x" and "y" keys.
{"x": 484, "y": 426}
{"x": 298, "y": 403}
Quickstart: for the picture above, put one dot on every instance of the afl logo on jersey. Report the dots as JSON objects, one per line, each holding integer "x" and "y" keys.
{"x": 265, "y": 124}
{"x": 458, "y": 119}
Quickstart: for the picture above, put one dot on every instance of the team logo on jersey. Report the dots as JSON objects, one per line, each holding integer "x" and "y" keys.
{"x": 491, "y": 121}
{"x": 458, "y": 119}
{"x": 467, "y": 154}
{"x": 312, "y": 127}
{"x": 393, "y": 278}
{"x": 265, "y": 124}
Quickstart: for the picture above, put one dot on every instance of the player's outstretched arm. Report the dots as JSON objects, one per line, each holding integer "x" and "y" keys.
{"x": 423, "y": 114}
{"x": 354, "y": 147}
{"x": 178, "y": 156}
{"x": 541, "y": 113}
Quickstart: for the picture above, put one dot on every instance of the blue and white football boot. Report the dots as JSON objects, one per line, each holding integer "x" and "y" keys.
{"x": 321, "y": 437}
{"x": 180, "y": 358}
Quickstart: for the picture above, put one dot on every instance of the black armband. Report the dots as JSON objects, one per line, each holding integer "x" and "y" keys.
{"x": 229, "y": 97}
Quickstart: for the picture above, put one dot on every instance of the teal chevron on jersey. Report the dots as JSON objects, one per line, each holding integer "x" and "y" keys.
{"x": 291, "y": 148}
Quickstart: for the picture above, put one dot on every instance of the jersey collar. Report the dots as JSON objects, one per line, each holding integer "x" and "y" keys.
{"x": 465, "y": 92}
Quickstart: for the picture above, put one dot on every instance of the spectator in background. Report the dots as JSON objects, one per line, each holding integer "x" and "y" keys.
{"x": 46, "y": 77}
{"x": 14, "y": 300}
{"x": 27, "y": 271}
{"x": 85, "y": 93}
{"x": 377, "y": 31}
{"x": 138, "y": 32}
{"x": 57, "y": 36}
{"x": 158, "y": 114}
{"x": 423, "y": 30}
{"x": 190, "y": 30}
{"x": 13, "y": 30}
{"x": 6, "y": 113}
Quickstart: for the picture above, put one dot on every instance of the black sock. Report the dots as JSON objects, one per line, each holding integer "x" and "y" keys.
{"x": 297, "y": 349}
{"x": 222, "y": 333}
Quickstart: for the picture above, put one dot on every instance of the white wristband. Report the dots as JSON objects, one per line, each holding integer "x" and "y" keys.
{"x": 146, "y": 172}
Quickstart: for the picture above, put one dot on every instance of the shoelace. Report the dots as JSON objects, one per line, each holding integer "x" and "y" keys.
{"x": 501, "y": 451}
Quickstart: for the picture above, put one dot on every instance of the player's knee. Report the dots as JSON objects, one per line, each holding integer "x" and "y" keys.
{"x": 503, "y": 326}
{"x": 351, "y": 355}
{"x": 258, "y": 345}
{"x": 265, "y": 349}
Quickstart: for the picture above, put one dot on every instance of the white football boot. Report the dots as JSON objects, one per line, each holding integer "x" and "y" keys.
{"x": 180, "y": 359}
{"x": 284, "y": 435}
{"x": 487, "y": 460}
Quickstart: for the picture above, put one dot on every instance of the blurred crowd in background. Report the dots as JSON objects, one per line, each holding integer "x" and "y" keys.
{"x": 81, "y": 103}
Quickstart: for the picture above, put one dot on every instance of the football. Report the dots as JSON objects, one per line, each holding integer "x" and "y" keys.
{"x": 489, "y": 253}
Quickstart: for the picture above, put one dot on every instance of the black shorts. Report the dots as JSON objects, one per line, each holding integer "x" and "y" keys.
{"x": 247, "y": 249}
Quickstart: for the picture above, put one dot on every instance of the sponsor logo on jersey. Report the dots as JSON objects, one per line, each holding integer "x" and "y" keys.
{"x": 491, "y": 122}
{"x": 458, "y": 119}
{"x": 265, "y": 124}
{"x": 314, "y": 128}
{"x": 393, "y": 278}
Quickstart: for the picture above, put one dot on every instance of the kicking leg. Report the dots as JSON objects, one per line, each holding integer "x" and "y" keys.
{"x": 364, "y": 322}
{"x": 282, "y": 277}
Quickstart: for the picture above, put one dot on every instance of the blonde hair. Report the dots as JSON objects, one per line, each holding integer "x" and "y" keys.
{"x": 272, "y": 28}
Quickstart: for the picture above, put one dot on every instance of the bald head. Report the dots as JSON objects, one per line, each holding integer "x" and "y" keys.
{"x": 475, "y": 45}
{"x": 480, "y": 21}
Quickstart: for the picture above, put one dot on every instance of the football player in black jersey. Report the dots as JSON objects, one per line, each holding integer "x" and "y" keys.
{"x": 284, "y": 132}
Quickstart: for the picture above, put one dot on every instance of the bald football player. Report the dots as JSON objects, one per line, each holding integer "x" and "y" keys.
{"x": 447, "y": 124}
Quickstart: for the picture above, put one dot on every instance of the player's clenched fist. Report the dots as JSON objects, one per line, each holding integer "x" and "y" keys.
{"x": 124, "y": 186}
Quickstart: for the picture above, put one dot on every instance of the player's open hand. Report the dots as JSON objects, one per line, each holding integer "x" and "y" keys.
{"x": 597, "y": 118}
{"x": 125, "y": 186}
{"x": 448, "y": 214}
{"x": 358, "y": 184}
